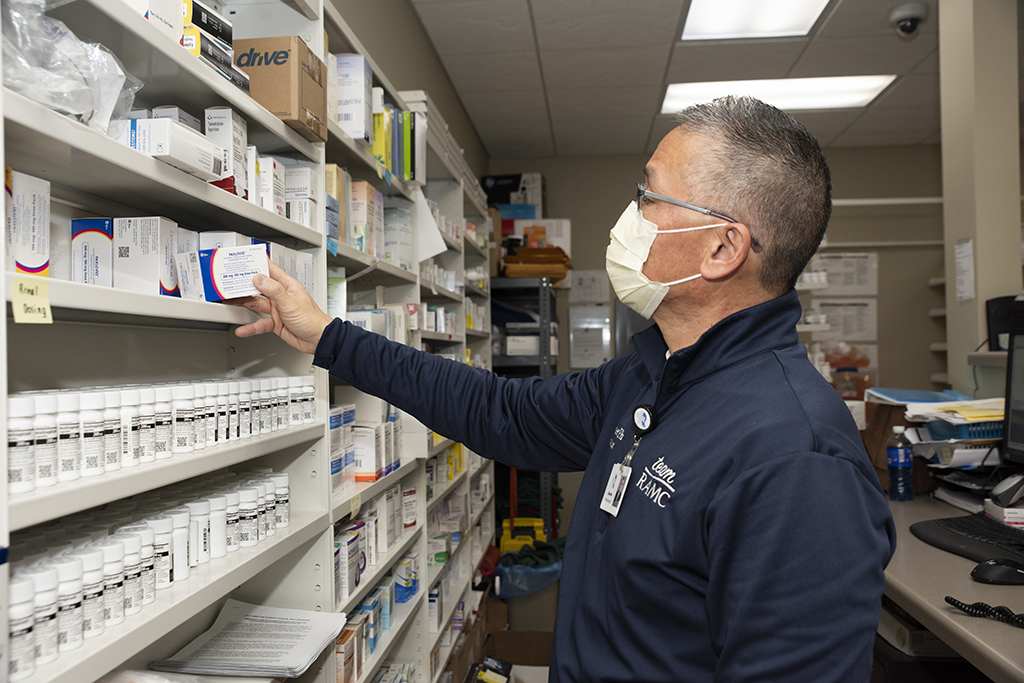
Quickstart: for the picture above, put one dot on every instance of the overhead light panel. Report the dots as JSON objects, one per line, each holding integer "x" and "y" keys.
{"x": 722, "y": 19}
{"x": 789, "y": 94}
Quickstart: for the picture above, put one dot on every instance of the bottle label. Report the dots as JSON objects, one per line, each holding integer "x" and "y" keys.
{"x": 162, "y": 435}
{"x": 92, "y": 609}
{"x": 899, "y": 456}
{"x": 46, "y": 453}
{"x": 21, "y": 647}
{"x": 69, "y": 448}
{"x": 69, "y": 620}
{"x": 21, "y": 458}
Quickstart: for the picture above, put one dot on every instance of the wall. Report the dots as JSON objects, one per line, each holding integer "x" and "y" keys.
{"x": 384, "y": 24}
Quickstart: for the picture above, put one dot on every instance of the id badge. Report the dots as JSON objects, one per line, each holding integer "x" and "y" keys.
{"x": 616, "y": 489}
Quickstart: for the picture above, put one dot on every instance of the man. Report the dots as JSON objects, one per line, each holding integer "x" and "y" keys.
{"x": 751, "y": 533}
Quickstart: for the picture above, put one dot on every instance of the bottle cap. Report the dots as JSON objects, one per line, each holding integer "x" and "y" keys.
{"x": 131, "y": 397}
{"x": 294, "y": 381}
{"x": 22, "y": 406}
{"x": 198, "y": 507}
{"x": 90, "y": 555}
{"x": 92, "y": 400}
{"x": 308, "y": 380}
{"x": 280, "y": 479}
{"x": 183, "y": 392}
{"x": 218, "y": 501}
{"x": 147, "y": 394}
{"x": 181, "y": 516}
{"x": 145, "y": 532}
{"x": 248, "y": 495}
{"x": 266, "y": 384}
{"x": 113, "y": 549}
{"x": 223, "y": 388}
{"x": 22, "y": 589}
{"x": 245, "y": 386}
{"x": 164, "y": 394}
{"x": 232, "y": 387}
{"x": 112, "y": 398}
{"x": 261, "y": 488}
{"x": 211, "y": 388}
{"x": 68, "y": 402}
{"x": 69, "y": 567}
{"x": 45, "y": 578}
{"x": 45, "y": 403}
{"x": 231, "y": 497}
{"x": 132, "y": 542}
{"x": 200, "y": 389}
{"x": 161, "y": 524}
{"x": 898, "y": 429}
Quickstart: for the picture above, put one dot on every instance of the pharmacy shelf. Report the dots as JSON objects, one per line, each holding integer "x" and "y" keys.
{"x": 402, "y": 616}
{"x": 817, "y": 327}
{"x": 345, "y": 504}
{"x": 446, "y": 652}
{"x": 432, "y": 290}
{"x": 474, "y": 249}
{"x": 174, "y": 76}
{"x": 380, "y": 570}
{"x": 443, "y": 337}
{"x": 346, "y": 152}
{"x": 207, "y": 584}
{"x": 479, "y": 334}
{"x": 440, "y": 447}
{"x": 73, "y": 301}
{"x": 366, "y": 272}
{"x": 476, "y": 291}
{"x": 995, "y": 359}
{"x": 452, "y": 242}
{"x": 476, "y": 517}
{"x": 67, "y": 498}
{"x": 440, "y": 495}
{"x": 40, "y": 142}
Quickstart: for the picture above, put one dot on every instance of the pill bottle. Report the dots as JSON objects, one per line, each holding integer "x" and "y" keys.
{"x": 295, "y": 401}
{"x": 218, "y": 524}
{"x": 281, "y": 499}
{"x": 164, "y": 425}
{"x": 45, "y": 439}
{"x": 112, "y": 446}
{"x": 131, "y": 425}
{"x": 270, "y": 498}
{"x": 211, "y": 413}
{"x": 223, "y": 410}
{"x": 113, "y": 579}
{"x": 200, "y": 516}
{"x": 77, "y": 539}
{"x": 281, "y": 390}
{"x": 199, "y": 404}
{"x": 244, "y": 409}
{"x": 248, "y": 517}
{"x": 92, "y": 590}
{"x": 45, "y": 580}
{"x": 69, "y": 437}
{"x": 232, "y": 410}
{"x": 21, "y": 457}
{"x": 261, "y": 507}
{"x": 308, "y": 400}
{"x": 147, "y": 553}
{"x": 262, "y": 394}
{"x": 132, "y": 543}
{"x": 163, "y": 546}
{"x": 231, "y": 513}
{"x": 181, "y": 538}
{"x": 21, "y": 617}
{"x": 183, "y": 415}
{"x": 147, "y": 424}
{"x": 70, "y": 595}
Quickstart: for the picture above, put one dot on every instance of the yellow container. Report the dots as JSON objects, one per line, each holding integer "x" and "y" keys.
{"x": 526, "y": 531}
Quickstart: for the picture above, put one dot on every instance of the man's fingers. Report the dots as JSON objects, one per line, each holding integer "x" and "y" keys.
{"x": 261, "y": 326}
{"x": 269, "y": 286}
{"x": 286, "y": 280}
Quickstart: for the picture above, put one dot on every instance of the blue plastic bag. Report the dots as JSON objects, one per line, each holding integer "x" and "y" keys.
{"x": 518, "y": 580}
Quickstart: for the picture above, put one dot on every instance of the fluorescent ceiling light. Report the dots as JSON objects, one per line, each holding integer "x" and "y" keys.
{"x": 718, "y": 19}
{"x": 789, "y": 94}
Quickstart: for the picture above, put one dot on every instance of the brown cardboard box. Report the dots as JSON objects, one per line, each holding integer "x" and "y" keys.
{"x": 528, "y": 648}
{"x": 877, "y": 435}
{"x": 287, "y": 78}
{"x": 495, "y": 615}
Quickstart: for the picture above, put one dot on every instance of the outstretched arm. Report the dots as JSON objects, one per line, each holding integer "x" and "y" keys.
{"x": 294, "y": 316}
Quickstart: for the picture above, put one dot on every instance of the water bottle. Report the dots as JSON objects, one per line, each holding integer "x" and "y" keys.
{"x": 901, "y": 467}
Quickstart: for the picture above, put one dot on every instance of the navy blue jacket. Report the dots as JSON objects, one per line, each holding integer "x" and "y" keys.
{"x": 753, "y": 535}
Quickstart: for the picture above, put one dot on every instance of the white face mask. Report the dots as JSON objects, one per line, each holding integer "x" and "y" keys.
{"x": 632, "y": 238}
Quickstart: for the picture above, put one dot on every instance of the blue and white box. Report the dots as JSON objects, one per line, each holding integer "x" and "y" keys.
{"x": 92, "y": 251}
{"x": 228, "y": 272}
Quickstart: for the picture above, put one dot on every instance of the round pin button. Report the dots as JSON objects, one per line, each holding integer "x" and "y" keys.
{"x": 644, "y": 419}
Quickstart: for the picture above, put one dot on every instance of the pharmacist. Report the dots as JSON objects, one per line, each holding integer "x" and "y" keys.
{"x": 729, "y": 526}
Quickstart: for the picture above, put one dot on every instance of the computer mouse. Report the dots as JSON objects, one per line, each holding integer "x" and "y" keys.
{"x": 1008, "y": 491}
{"x": 1001, "y": 571}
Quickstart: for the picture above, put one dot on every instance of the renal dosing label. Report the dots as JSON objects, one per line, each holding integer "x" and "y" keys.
{"x": 228, "y": 271}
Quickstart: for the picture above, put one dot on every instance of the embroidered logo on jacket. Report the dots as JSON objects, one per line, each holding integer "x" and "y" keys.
{"x": 656, "y": 482}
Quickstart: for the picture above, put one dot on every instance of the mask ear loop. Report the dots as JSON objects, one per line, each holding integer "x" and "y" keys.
{"x": 699, "y": 227}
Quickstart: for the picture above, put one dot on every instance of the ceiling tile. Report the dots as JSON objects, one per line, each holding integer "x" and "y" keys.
{"x": 496, "y": 71}
{"x": 911, "y": 91}
{"x": 564, "y": 24}
{"x": 600, "y": 68}
{"x": 517, "y": 151}
{"x": 866, "y": 18}
{"x": 486, "y": 106}
{"x": 896, "y": 126}
{"x": 602, "y": 148}
{"x": 632, "y": 130}
{"x": 515, "y": 132}
{"x": 733, "y": 60}
{"x": 862, "y": 56}
{"x": 481, "y": 26}
{"x": 573, "y": 103}
{"x": 826, "y": 125}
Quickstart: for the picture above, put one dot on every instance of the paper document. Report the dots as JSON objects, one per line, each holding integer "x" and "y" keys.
{"x": 429, "y": 240}
{"x": 252, "y": 640}
{"x": 957, "y": 412}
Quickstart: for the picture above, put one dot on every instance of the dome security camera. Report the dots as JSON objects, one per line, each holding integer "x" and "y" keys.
{"x": 906, "y": 17}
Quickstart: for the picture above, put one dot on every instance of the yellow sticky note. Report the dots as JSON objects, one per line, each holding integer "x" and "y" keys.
{"x": 30, "y": 300}
{"x": 356, "y": 502}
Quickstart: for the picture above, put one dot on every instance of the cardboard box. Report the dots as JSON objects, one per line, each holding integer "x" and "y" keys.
{"x": 28, "y": 223}
{"x": 288, "y": 78}
{"x": 92, "y": 251}
{"x": 228, "y": 272}
{"x": 144, "y": 251}
{"x": 520, "y": 648}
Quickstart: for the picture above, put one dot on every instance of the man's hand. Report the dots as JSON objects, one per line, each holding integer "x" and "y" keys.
{"x": 294, "y": 316}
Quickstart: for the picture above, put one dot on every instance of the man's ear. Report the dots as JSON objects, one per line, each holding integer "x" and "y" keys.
{"x": 727, "y": 252}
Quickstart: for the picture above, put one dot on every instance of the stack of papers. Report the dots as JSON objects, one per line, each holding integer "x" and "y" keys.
{"x": 957, "y": 412}
{"x": 252, "y": 640}
{"x": 901, "y": 397}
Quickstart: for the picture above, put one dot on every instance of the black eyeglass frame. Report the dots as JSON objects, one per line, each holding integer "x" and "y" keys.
{"x": 642, "y": 191}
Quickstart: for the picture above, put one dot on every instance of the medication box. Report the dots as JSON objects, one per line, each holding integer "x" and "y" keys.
{"x": 287, "y": 77}
{"x": 92, "y": 251}
{"x": 398, "y": 232}
{"x": 228, "y": 271}
{"x": 28, "y": 223}
{"x": 355, "y": 101}
{"x": 190, "y": 275}
{"x": 164, "y": 14}
{"x": 271, "y": 185}
{"x": 198, "y": 13}
{"x": 178, "y": 114}
{"x": 368, "y": 451}
{"x": 217, "y": 239}
{"x": 229, "y": 131}
{"x": 178, "y": 145}
{"x": 300, "y": 211}
{"x": 301, "y": 182}
{"x": 144, "y": 250}
{"x": 346, "y": 563}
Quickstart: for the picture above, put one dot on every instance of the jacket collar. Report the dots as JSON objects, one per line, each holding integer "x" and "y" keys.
{"x": 764, "y": 327}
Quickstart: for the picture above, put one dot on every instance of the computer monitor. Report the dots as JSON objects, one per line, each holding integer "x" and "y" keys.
{"x": 1013, "y": 420}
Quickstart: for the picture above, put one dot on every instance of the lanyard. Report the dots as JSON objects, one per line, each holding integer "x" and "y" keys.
{"x": 644, "y": 420}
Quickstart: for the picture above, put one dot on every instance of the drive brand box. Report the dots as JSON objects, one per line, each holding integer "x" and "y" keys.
{"x": 287, "y": 78}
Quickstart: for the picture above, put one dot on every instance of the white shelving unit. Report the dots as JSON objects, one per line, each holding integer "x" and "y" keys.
{"x": 103, "y": 337}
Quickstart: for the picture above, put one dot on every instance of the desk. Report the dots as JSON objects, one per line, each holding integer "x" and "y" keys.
{"x": 919, "y": 578}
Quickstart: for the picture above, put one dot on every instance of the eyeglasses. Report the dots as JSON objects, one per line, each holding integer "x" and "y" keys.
{"x": 642, "y": 191}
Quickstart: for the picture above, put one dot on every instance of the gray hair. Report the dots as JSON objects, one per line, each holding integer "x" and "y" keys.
{"x": 762, "y": 167}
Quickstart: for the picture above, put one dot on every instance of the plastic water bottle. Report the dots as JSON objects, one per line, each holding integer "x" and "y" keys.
{"x": 900, "y": 456}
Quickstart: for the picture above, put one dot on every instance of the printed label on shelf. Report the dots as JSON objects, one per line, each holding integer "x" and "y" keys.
{"x": 356, "y": 503}
{"x": 30, "y": 301}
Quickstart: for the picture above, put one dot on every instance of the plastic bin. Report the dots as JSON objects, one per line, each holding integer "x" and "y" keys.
{"x": 940, "y": 430}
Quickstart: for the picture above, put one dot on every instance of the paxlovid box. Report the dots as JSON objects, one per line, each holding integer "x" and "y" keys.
{"x": 228, "y": 271}
{"x": 92, "y": 251}
{"x": 28, "y": 223}
{"x": 144, "y": 250}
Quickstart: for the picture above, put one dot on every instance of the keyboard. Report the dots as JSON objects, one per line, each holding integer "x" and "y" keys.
{"x": 976, "y": 537}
